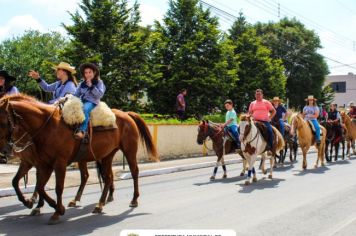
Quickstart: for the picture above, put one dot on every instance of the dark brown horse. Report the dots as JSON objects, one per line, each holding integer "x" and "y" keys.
{"x": 56, "y": 146}
{"x": 221, "y": 144}
{"x": 334, "y": 136}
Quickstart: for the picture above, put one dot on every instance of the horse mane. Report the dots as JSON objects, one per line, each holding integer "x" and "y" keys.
{"x": 20, "y": 97}
{"x": 245, "y": 117}
{"x": 213, "y": 124}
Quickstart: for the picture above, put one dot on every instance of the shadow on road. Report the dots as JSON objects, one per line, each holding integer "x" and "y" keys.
{"x": 76, "y": 221}
{"x": 221, "y": 180}
{"x": 339, "y": 162}
{"x": 319, "y": 170}
{"x": 260, "y": 184}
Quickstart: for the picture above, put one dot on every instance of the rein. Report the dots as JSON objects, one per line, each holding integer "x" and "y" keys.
{"x": 13, "y": 144}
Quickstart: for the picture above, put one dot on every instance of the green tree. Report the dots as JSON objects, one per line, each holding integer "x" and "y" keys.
{"x": 297, "y": 47}
{"x": 186, "y": 53}
{"x": 33, "y": 50}
{"x": 257, "y": 69}
{"x": 108, "y": 34}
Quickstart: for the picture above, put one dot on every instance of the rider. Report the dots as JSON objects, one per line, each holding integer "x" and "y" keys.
{"x": 90, "y": 91}
{"x": 311, "y": 112}
{"x": 335, "y": 119}
{"x": 263, "y": 111}
{"x": 352, "y": 111}
{"x": 66, "y": 83}
{"x": 231, "y": 121}
{"x": 323, "y": 114}
{"x": 6, "y": 84}
{"x": 281, "y": 113}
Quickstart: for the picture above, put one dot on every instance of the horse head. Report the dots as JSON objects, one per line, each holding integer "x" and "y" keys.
{"x": 245, "y": 126}
{"x": 207, "y": 129}
{"x": 6, "y": 127}
{"x": 296, "y": 122}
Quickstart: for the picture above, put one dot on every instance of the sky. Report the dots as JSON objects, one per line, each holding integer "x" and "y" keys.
{"x": 334, "y": 21}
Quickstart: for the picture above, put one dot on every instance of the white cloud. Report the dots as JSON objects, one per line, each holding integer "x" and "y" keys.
{"x": 18, "y": 24}
{"x": 149, "y": 14}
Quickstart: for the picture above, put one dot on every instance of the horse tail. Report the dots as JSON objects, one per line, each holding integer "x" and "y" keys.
{"x": 145, "y": 134}
{"x": 280, "y": 140}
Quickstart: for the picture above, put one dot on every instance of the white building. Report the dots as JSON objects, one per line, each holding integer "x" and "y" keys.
{"x": 344, "y": 87}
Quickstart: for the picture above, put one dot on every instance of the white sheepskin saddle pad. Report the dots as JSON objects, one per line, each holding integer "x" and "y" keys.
{"x": 101, "y": 115}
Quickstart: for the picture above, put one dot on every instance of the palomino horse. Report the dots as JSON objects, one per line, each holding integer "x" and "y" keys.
{"x": 253, "y": 144}
{"x": 350, "y": 132}
{"x": 27, "y": 153}
{"x": 307, "y": 139}
{"x": 221, "y": 144}
{"x": 334, "y": 136}
{"x": 56, "y": 146}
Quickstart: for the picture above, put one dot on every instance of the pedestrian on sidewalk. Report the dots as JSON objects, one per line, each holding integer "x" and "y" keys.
{"x": 181, "y": 105}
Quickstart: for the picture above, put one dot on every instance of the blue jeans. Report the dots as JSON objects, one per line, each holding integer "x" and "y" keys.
{"x": 87, "y": 108}
{"x": 270, "y": 133}
{"x": 281, "y": 125}
{"x": 317, "y": 129}
{"x": 234, "y": 131}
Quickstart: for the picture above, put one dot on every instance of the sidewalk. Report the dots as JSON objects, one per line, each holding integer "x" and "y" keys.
{"x": 7, "y": 172}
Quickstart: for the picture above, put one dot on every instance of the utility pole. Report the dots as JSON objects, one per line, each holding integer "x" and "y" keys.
{"x": 279, "y": 12}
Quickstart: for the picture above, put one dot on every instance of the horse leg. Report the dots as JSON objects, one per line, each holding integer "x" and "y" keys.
{"x": 130, "y": 155}
{"x": 305, "y": 150}
{"x": 327, "y": 150}
{"x": 84, "y": 175}
{"x": 336, "y": 151}
{"x": 244, "y": 164}
{"x": 271, "y": 168}
{"x": 348, "y": 148}
{"x": 254, "y": 179}
{"x": 224, "y": 168}
{"x": 263, "y": 168}
{"x": 111, "y": 190}
{"x": 220, "y": 156}
{"x": 21, "y": 172}
{"x": 249, "y": 172}
{"x": 108, "y": 179}
{"x": 43, "y": 174}
{"x": 60, "y": 172}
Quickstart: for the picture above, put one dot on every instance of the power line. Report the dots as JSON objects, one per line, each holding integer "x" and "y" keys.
{"x": 214, "y": 8}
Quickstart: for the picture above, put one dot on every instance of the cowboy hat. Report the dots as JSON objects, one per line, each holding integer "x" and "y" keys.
{"x": 65, "y": 66}
{"x": 310, "y": 97}
{"x": 91, "y": 66}
{"x": 228, "y": 101}
{"x": 351, "y": 103}
{"x": 276, "y": 99}
{"x": 6, "y": 75}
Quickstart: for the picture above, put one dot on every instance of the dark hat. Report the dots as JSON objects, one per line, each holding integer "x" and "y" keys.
{"x": 91, "y": 66}
{"x": 228, "y": 101}
{"x": 6, "y": 75}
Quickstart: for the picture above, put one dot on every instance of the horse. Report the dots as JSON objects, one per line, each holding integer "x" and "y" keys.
{"x": 253, "y": 144}
{"x": 290, "y": 142}
{"x": 221, "y": 144}
{"x": 306, "y": 139}
{"x": 56, "y": 146}
{"x": 334, "y": 137}
{"x": 350, "y": 132}
{"x": 28, "y": 156}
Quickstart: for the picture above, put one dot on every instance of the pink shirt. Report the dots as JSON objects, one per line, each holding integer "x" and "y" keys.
{"x": 260, "y": 110}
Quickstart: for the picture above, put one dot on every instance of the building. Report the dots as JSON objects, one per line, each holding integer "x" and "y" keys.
{"x": 344, "y": 87}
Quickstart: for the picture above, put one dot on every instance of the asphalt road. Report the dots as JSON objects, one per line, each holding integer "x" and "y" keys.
{"x": 318, "y": 201}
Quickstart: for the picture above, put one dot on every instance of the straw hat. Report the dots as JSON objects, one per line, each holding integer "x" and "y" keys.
{"x": 65, "y": 66}
{"x": 310, "y": 97}
{"x": 275, "y": 99}
{"x": 351, "y": 103}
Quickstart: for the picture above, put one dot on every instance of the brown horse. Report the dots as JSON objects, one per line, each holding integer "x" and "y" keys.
{"x": 27, "y": 153}
{"x": 56, "y": 146}
{"x": 307, "y": 139}
{"x": 221, "y": 144}
{"x": 350, "y": 132}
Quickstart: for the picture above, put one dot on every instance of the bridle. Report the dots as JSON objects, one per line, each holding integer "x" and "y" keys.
{"x": 209, "y": 133}
{"x": 12, "y": 117}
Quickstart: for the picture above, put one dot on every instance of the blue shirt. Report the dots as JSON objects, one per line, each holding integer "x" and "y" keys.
{"x": 280, "y": 111}
{"x": 13, "y": 90}
{"x": 59, "y": 90}
{"x": 91, "y": 94}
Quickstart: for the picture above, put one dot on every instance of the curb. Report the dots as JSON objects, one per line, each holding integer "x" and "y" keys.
{"x": 5, "y": 192}
{"x": 169, "y": 170}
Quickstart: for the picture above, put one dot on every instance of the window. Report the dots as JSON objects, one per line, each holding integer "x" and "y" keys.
{"x": 339, "y": 87}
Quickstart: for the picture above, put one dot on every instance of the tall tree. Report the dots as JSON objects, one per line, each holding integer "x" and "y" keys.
{"x": 297, "y": 47}
{"x": 108, "y": 34}
{"x": 257, "y": 69}
{"x": 33, "y": 50}
{"x": 186, "y": 53}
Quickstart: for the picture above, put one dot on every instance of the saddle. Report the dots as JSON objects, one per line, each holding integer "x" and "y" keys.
{"x": 313, "y": 128}
{"x": 263, "y": 130}
{"x": 230, "y": 137}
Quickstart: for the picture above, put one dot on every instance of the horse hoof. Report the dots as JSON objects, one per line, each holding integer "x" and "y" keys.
{"x": 212, "y": 178}
{"x": 315, "y": 166}
{"x": 323, "y": 164}
{"x": 72, "y": 203}
{"x": 224, "y": 176}
{"x": 270, "y": 177}
{"x": 110, "y": 199}
{"x": 247, "y": 182}
{"x": 35, "y": 212}
{"x": 29, "y": 204}
{"x": 133, "y": 204}
{"x": 265, "y": 172}
{"x": 54, "y": 220}
{"x": 97, "y": 210}
{"x": 34, "y": 199}
{"x": 242, "y": 174}
{"x": 304, "y": 167}
{"x": 254, "y": 179}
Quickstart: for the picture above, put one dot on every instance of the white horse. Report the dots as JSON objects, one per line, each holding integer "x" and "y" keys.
{"x": 253, "y": 144}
